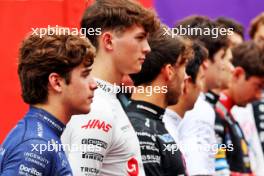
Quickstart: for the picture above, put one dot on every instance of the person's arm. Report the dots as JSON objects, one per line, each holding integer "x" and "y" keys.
{"x": 197, "y": 140}
{"x": 28, "y": 159}
{"x": 89, "y": 137}
{"x": 246, "y": 120}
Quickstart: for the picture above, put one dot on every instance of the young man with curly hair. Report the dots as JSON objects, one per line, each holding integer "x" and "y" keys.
{"x": 51, "y": 68}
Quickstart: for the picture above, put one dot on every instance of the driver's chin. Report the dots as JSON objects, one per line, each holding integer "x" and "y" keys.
{"x": 135, "y": 70}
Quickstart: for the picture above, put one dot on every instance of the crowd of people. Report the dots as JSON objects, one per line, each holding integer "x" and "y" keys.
{"x": 204, "y": 116}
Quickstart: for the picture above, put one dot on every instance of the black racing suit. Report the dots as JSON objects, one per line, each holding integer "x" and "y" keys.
{"x": 160, "y": 154}
{"x": 236, "y": 147}
{"x": 232, "y": 153}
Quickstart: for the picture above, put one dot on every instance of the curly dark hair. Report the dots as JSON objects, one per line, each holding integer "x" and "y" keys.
{"x": 199, "y": 56}
{"x": 164, "y": 50}
{"x": 230, "y": 23}
{"x": 211, "y": 43}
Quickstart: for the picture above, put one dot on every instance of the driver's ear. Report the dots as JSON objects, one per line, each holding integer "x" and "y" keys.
{"x": 107, "y": 42}
{"x": 205, "y": 64}
{"x": 238, "y": 72}
{"x": 56, "y": 82}
{"x": 186, "y": 82}
{"x": 167, "y": 72}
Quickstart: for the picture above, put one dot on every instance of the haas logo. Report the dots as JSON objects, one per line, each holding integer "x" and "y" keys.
{"x": 97, "y": 124}
{"x": 132, "y": 167}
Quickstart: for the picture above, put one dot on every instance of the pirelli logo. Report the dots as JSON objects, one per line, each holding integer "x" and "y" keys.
{"x": 94, "y": 142}
{"x": 93, "y": 156}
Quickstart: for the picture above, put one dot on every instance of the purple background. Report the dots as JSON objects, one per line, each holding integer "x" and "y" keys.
{"x": 170, "y": 11}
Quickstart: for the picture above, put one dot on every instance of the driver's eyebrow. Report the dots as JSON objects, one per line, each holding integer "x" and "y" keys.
{"x": 86, "y": 70}
{"x": 143, "y": 33}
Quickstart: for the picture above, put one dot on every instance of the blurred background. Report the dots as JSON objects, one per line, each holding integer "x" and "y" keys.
{"x": 18, "y": 17}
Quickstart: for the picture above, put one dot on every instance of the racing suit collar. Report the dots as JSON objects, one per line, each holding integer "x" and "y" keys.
{"x": 147, "y": 108}
{"x": 108, "y": 87}
{"x": 46, "y": 118}
{"x": 173, "y": 114}
{"x": 226, "y": 101}
{"x": 211, "y": 97}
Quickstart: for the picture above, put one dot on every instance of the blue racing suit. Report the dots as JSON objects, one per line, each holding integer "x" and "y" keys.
{"x": 33, "y": 147}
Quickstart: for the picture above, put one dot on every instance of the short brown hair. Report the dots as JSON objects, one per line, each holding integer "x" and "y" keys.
{"x": 250, "y": 56}
{"x": 39, "y": 56}
{"x": 230, "y": 23}
{"x": 117, "y": 15}
{"x": 254, "y": 24}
